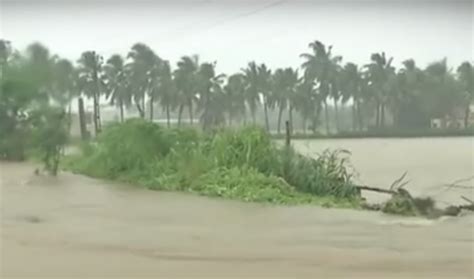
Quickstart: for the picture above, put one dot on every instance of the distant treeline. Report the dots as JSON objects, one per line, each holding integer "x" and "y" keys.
{"x": 375, "y": 95}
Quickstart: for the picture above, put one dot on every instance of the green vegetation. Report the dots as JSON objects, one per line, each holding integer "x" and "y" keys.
{"x": 386, "y": 133}
{"x": 240, "y": 164}
{"x": 325, "y": 94}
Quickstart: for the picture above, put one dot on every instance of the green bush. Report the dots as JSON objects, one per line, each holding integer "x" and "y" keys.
{"x": 250, "y": 146}
{"x": 241, "y": 164}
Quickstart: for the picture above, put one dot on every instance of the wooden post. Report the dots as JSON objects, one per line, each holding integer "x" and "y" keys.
{"x": 288, "y": 133}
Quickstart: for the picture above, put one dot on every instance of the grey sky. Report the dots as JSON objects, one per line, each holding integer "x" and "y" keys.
{"x": 235, "y": 32}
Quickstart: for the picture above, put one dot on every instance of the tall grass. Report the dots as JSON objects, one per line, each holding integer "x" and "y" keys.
{"x": 241, "y": 164}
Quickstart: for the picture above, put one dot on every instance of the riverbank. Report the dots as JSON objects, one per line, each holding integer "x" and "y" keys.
{"x": 429, "y": 133}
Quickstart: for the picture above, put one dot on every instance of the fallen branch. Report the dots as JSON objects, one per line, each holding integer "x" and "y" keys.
{"x": 375, "y": 189}
{"x": 468, "y": 200}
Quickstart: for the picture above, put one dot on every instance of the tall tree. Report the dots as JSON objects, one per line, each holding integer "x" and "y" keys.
{"x": 186, "y": 84}
{"x": 320, "y": 66}
{"x": 352, "y": 88}
{"x": 264, "y": 90}
{"x": 117, "y": 83}
{"x": 252, "y": 98}
{"x": 90, "y": 82}
{"x": 235, "y": 96}
{"x": 211, "y": 96}
{"x": 167, "y": 92}
{"x": 143, "y": 74}
{"x": 381, "y": 76}
{"x": 285, "y": 83}
{"x": 466, "y": 78}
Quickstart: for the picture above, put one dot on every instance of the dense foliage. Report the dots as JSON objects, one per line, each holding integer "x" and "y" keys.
{"x": 32, "y": 115}
{"x": 240, "y": 164}
{"x": 324, "y": 92}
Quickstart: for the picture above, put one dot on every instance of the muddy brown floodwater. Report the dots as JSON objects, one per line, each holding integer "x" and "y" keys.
{"x": 77, "y": 227}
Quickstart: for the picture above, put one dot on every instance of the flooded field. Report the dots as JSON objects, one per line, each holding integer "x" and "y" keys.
{"x": 77, "y": 227}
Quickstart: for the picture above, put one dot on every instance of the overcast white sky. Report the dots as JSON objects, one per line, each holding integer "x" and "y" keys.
{"x": 236, "y": 32}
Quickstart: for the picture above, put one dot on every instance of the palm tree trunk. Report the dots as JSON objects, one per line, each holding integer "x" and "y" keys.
{"x": 377, "y": 115}
{"x": 168, "y": 124}
{"x": 304, "y": 124}
{"x": 326, "y": 117}
{"x": 190, "y": 110}
{"x": 265, "y": 109}
{"x": 467, "y": 113}
{"x": 180, "y": 114}
{"x": 337, "y": 114}
{"x": 290, "y": 118}
{"x": 382, "y": 115}
{"x": 96, "y": 115}
{"x": 121, "y": 110}
{"x": 254, "y": 120}
{"x": 141, "y": 112}
{"x": 359, "y": 115}
{"x": 354, "y": 116}
{"x": 280, "y": 112}
{"x": 152, "y": 116}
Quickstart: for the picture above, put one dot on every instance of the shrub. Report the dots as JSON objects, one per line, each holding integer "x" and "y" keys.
{"x": 328, "y": 175}
{"x": 127, "y": 147}
{"x": 250, "y": 146}
{"x": 241, "y": 164}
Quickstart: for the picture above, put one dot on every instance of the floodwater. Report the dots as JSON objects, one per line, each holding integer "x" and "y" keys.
{"x": 77, "y": 227}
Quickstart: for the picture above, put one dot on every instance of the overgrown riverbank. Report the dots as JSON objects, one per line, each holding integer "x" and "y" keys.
{"x": 242, "y": 164}
{"x": 386, "y": 133}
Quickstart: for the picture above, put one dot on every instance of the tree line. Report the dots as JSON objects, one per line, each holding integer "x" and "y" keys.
{"x": 379, "y": 95}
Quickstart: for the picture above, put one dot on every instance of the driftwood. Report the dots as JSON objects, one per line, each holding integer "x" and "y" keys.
{"x": 401, "y": 201}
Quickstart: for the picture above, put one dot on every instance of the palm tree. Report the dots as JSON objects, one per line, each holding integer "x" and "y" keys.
{"x": 167, "y": 90}
{"x": 352, "y": 89}
{"x": 185, "y": 78}
{"x": 235, "y": 96}
{"x": 284, "y": 93}
{"x": 5, "y": 54}
{"x": 381, "y": 76}
{"x": 211, "y": 96}
{"x": 442, "y": 93}
{"x": 308, "y": 102}
{"x": 40, "y": 64}
{"x": 117, "y": 83}
{"x": 320, "y": 66}
{"x": 252, "y": 97}
{"x": 143, "y": 72}
{"x": 90, "y": 72}
{"x": 264, "y": 87}
{"x": 466, "y": 78}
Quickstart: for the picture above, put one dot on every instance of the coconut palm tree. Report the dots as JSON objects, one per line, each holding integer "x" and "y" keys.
{"x": 285, "y": 83}
{"x": 90, "y": 83}
{"x": 320, "y": 66}
{"x": 466, "y": 78}
{"x": 381, "y": 77}
{"x": 235, "y": 96}
{"x": 352, "y": 85}
{"x": 186, "y": 80}
{"x": 167, "y": 92}
{"x": 143, "y": 74}
{"x": 264, "y": 89}
{"x": 252, "y": 98}
{"x": 5, "y": 54}
{"x": 211, "y": 96}
{"x": 118, "y": 83}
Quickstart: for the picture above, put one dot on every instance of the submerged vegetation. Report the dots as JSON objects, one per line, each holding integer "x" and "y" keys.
{"x": 241, "y": 164}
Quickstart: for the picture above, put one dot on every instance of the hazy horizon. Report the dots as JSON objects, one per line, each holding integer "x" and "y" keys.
{"x": 236, "y": 32}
